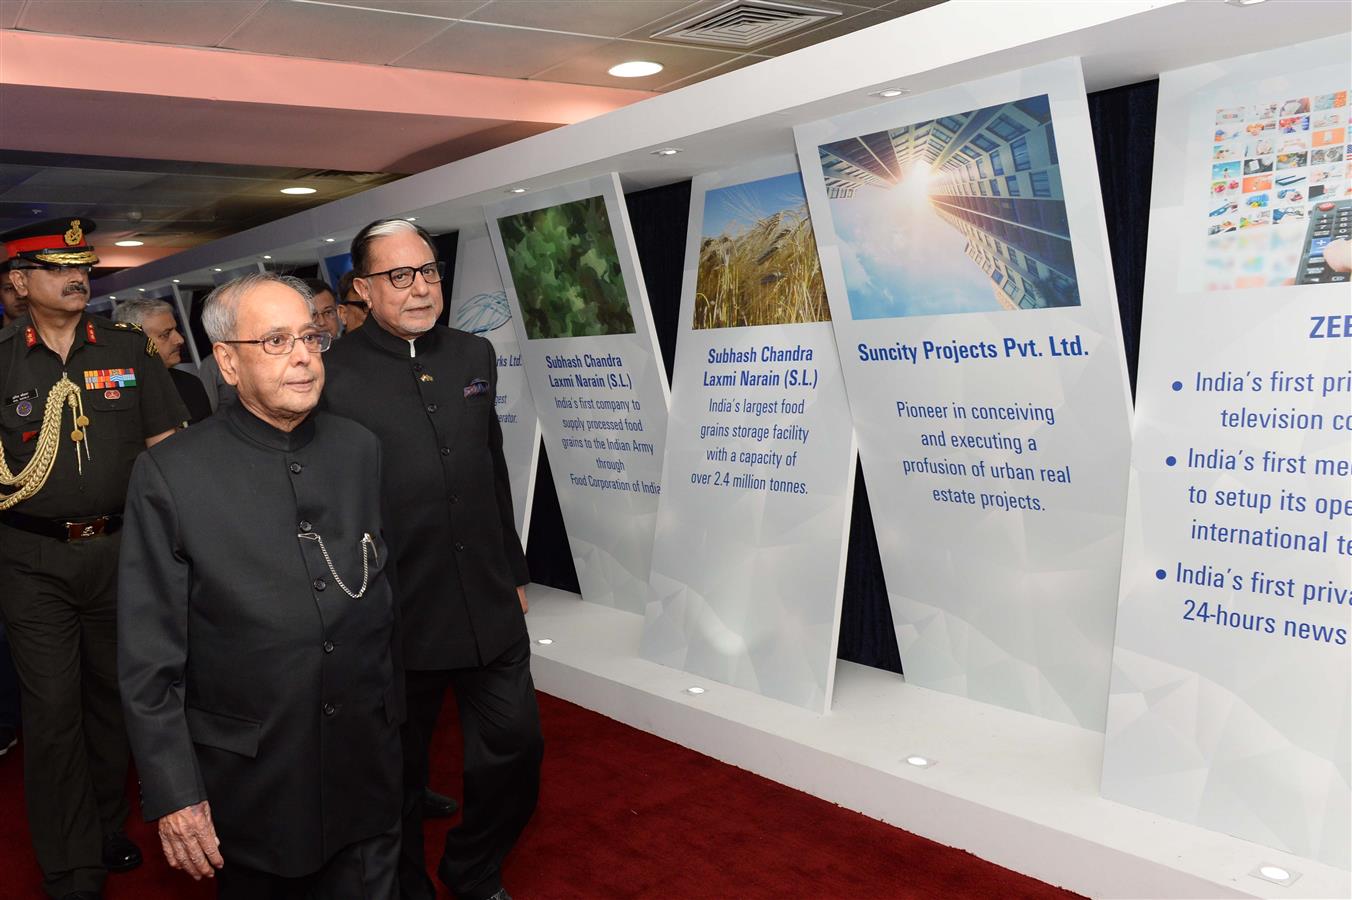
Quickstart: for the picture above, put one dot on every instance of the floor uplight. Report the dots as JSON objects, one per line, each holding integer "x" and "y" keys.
{"x": 1275, "y": 874}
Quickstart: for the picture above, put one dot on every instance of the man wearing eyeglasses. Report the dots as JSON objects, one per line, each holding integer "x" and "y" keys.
{"x": 259, "y": 660}
{"x": 79, "y": 400}
{"x": 428, "y": 391}
{"x": 326, "y": 307}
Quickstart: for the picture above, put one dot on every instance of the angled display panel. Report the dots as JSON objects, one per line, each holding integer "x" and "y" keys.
{"x": 754, "y": 518}
{"x": 578, "y": 304}
{"x": 1230, "y": 704}
{"x": 965, "y": 257}
{"x": 479, "y": 305}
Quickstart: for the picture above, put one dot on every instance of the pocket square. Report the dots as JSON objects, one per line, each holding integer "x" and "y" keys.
{"x": 475, "y": 388}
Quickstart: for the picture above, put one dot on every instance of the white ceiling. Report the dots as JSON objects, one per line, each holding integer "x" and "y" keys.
{"x": 569, "y": 41}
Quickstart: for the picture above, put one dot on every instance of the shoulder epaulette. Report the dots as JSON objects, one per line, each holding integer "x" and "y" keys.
{"x": 151, "y": 349}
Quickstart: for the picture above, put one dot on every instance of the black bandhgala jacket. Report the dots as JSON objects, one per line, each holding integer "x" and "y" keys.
{"x": 446, "y": 485}
{"x": 249, "y": 677}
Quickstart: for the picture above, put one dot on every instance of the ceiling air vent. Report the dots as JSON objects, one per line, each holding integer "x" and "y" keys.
{"x": 745, "y": 23}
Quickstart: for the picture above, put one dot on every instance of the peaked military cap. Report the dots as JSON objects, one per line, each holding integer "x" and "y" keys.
{"x": 56, "y": 242}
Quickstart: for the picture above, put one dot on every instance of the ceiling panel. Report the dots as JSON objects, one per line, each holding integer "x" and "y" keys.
{"x": 9, "y": 13}
{"x": 832, "y": 29}
{"x": 678, "y": 61}
{"x": 332, "y": 32}
{"x": 740, "y": 62}
{"x": 504, "y": 52}
{"x": 188, "y": 22}
{"x": 599, "y": 17}
{"x": 446, "y": 9}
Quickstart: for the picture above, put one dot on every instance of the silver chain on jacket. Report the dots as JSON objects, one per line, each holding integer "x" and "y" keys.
{"x": 366, "y": 542}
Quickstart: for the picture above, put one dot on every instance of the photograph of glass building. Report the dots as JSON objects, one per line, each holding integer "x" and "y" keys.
{"x": 963, "y": 213}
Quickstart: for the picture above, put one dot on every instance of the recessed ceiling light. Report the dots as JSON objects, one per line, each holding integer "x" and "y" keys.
{"x": 266, "y": 256}
{"x": 920, "y": 762}
{"x": 298, "y": 190}
{"x": 142, "y": 290}
{"x": 111, "y": 297}
{"x": 411, "y": 219}
{"x": 696, "y": 690}
{"x": 175, "y": 281}
{"x": 637, "y": 68}
{"x": 667, "y": 151}
{"x": 215, "y": 270}
{"x": 128, "y": 243}
{"x": 1244, "y": 2}
{"x": 329, "y": 240}
{"x": 545, "y": 641}
{"x": 516, "y": 190}
{"x": 889, "y": 93}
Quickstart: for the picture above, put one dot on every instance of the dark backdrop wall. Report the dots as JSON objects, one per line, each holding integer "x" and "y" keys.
{"x": 1123, "y": 124}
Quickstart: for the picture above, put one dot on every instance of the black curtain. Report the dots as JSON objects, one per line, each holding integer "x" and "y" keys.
{"x": 1123, "y": 125}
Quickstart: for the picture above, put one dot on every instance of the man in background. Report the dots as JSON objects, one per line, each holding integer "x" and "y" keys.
{"x": 427, "y": 391}
{"x": 14, "y": 305}
{"x": 156, "y": 319}
{"x": 352, "y": 309}
{"x": 326, "y": 307}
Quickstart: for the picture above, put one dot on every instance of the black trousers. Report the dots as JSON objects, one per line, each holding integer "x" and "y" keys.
{"x": 500, "y": 722}
{"x": 9, "y": 684}
{"x": 366, "y": 870}
{"x": 59, "y": 605}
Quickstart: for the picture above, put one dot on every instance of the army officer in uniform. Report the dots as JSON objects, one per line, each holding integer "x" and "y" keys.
{"x": 79, "y": 400}
{"x": 258, "y": 625}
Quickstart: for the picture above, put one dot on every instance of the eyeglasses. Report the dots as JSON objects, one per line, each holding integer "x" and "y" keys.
{"x": 328, "y": 313}
{"x": 402, "y": 277}
{"x": 282, "y": 344}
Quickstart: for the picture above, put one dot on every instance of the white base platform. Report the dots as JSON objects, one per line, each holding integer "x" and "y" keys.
{"x": 1011, "y": 788}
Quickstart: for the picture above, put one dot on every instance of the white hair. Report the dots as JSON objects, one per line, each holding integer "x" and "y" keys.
{"x": 220, "y": 310}
{"x": 135, "y": 311}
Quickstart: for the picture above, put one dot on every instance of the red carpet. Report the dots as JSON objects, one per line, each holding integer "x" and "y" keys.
{"x": 624, "y": 814}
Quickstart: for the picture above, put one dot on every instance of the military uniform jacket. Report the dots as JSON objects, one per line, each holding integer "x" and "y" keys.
{"x": 249, "y": 677}
{"x": 127, "y": 396}
{"x": 458, "y": 555}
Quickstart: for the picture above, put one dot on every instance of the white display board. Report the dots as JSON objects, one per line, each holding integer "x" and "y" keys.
{"x": 1230, "y": 700}
{"x": 479, "y": 305}
{"x": 754, "y": 519}
{"x": 580, "y": 310}
{"x": 966, "y": 259}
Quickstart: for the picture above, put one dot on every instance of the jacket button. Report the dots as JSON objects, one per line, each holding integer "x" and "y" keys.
{"x": 295, "y": 468}
{"x": 329, "y": 709}
{"x": 459, "y": 546}
{"x": 305, "y": 527}
{"x": 431, "y": 407}
{"x": 445, "y": 451}
{"x": 328, "y": 646}
{"x": 318, "y": 584}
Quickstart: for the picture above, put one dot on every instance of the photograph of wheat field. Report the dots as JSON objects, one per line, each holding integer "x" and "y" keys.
{"x": 758, "y": 259}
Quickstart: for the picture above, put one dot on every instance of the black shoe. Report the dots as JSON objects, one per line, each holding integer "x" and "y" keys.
{"x": 8, "y": 738}
{"x": 120, "y": 854}
{"x": 437, "y": 806}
